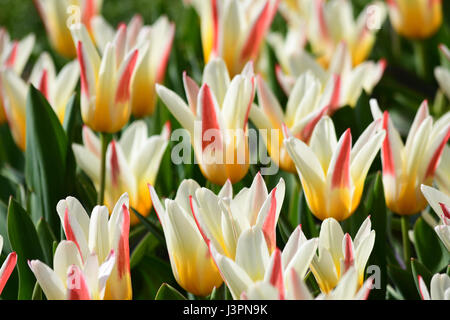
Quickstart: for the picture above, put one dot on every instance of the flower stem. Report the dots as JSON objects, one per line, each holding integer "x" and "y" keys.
{"x": 101, "y": 192}
{"x": 405, "y": 240}
{"x": 420, "y": 58}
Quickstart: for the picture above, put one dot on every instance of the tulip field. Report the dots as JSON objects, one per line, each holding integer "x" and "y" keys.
{"x": 224, "y": 150}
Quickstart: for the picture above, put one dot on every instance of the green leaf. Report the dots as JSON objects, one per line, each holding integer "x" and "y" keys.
{"x": 376, "y": 207}
{"x": 167, "y": 292}
{"x": 37, "y": 292}
{"x": 419, "y": 269}
{"x": 45, "y": 158}
{"x": 430, "y": 250}
{"x": 25, "y": 242}
{"x": 140, "y": 249}
{"x": 151, "y": 226}
{"x": 46, "y": 239}
{"x": 404, "y": 282}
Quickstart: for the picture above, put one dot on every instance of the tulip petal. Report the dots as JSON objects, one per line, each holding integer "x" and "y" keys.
{"x": 7, "y": 268}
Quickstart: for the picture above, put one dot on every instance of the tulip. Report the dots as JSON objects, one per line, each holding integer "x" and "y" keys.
{"x": 346, "y": 289}
{"x": 440, "y": 203}
{"x": 192, "y": 265}
{"x": 105, "y": 82}
{"x": 332, "y": 22}
{"x": 218, "y": 111}
{"x": 442, "y": 73}
{"x": 331, "y": 172}
{"x": 440, "y": 287}
{"x": 57, "y": 89}
{"x": 406, "y": 167}
{"x": 73, "y": 278}
{"x": 154, "y": 43}
{"x": 14, "y": 55}
{"x": 234, "y": 30}
{"x": 352, "y": 81}
{"x": 338, "y": 253}
{"x": 306, "y": 105}
{"x": 59, "y": 15}
{"x": 98, "y": 235}
{"x": 222, "y": 218}
{"x": 132, "y": 163}
{"x": 8, "y": 266}
{"x": 254, "y": 262}
{"x": 415, "y": 19}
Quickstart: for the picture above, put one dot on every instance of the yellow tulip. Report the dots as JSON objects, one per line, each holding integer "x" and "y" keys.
{"x": 58, "y": 15}
{"x": 234, "y": 30}
{"x": 13, "y": 55}
{"x": 154, "y": 43}
{"x": 192, "y": 264}
{"x": 406, "y": 167}
{"x": 105, "y": 82}
{"x": 415, "y": 19}
{"x": 216, "y": 119}
{"x": 332, "y": 172}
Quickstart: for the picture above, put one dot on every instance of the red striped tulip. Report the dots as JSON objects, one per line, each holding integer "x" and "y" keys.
{"x": 216, "y": 118}
{"x": 132, "y": 162}
{"x": 307, "y": 103}
{"x": 338, "y": 253}
{"x": 99, "y": 235}
{"x": 59, "y": 15}
{"x": 105, "y": 82}
{"x": 439, "y": 287}
{"x": 440, "y": 203}
{"x": 234, "y": 30}
{"x": 154, "y": 43}
{"x": 13, "y": 55}
{"x": 73, "y": 278}
{"x": 352, "y": 81}
{"x": 192, "y": 265}
{"x": 332, "y": 22}
{"x": 443, "y": 172}
{"x": 332, "y": 172}
{"x": 57, "y": 88}
{"x": 406, "y": 167}
{"x": 415, "y": 19}
{"x": 7, "y": 267}
{"x": 255, "y": 263}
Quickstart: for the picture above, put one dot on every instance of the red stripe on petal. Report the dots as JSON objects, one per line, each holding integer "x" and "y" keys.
{"x": 12, "y": 55}
{"x": 341, "y": 171}
{"x": 115, "y": 167}
{"x": 349, "y": 256}
{"x": 276, "y": 275}
{"x": 259, "y": 28}
{"x": 123, "y": 88}
{"x": 321, "y": 18}
{"x": 77, "y": 288}
{"x": 420, "y": 282}
{"x": 196, "y": 221}
{"x": 165, "y": 57}
{"x": 445, "y": 210}
{"x": 191, "y": 88}
{"x": 432, "y": 166}
{"x": 10, "y": 263}
{"x": 88, "y": 13}
{"x": 123, "y": 259}
{"x": 209, "y": 116}
{"x": 83, "y": 76}
{"x": 215, "y": 18}
{"x": 270, "y": 222}
{"x": 43, "y": 84}
{"x": 336, "y": 95}
{"x": 386, "y": 150}
{"x": 70, "y": 235}
{"x": 88, "y": 143}
{"x": 306, "y": 133}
